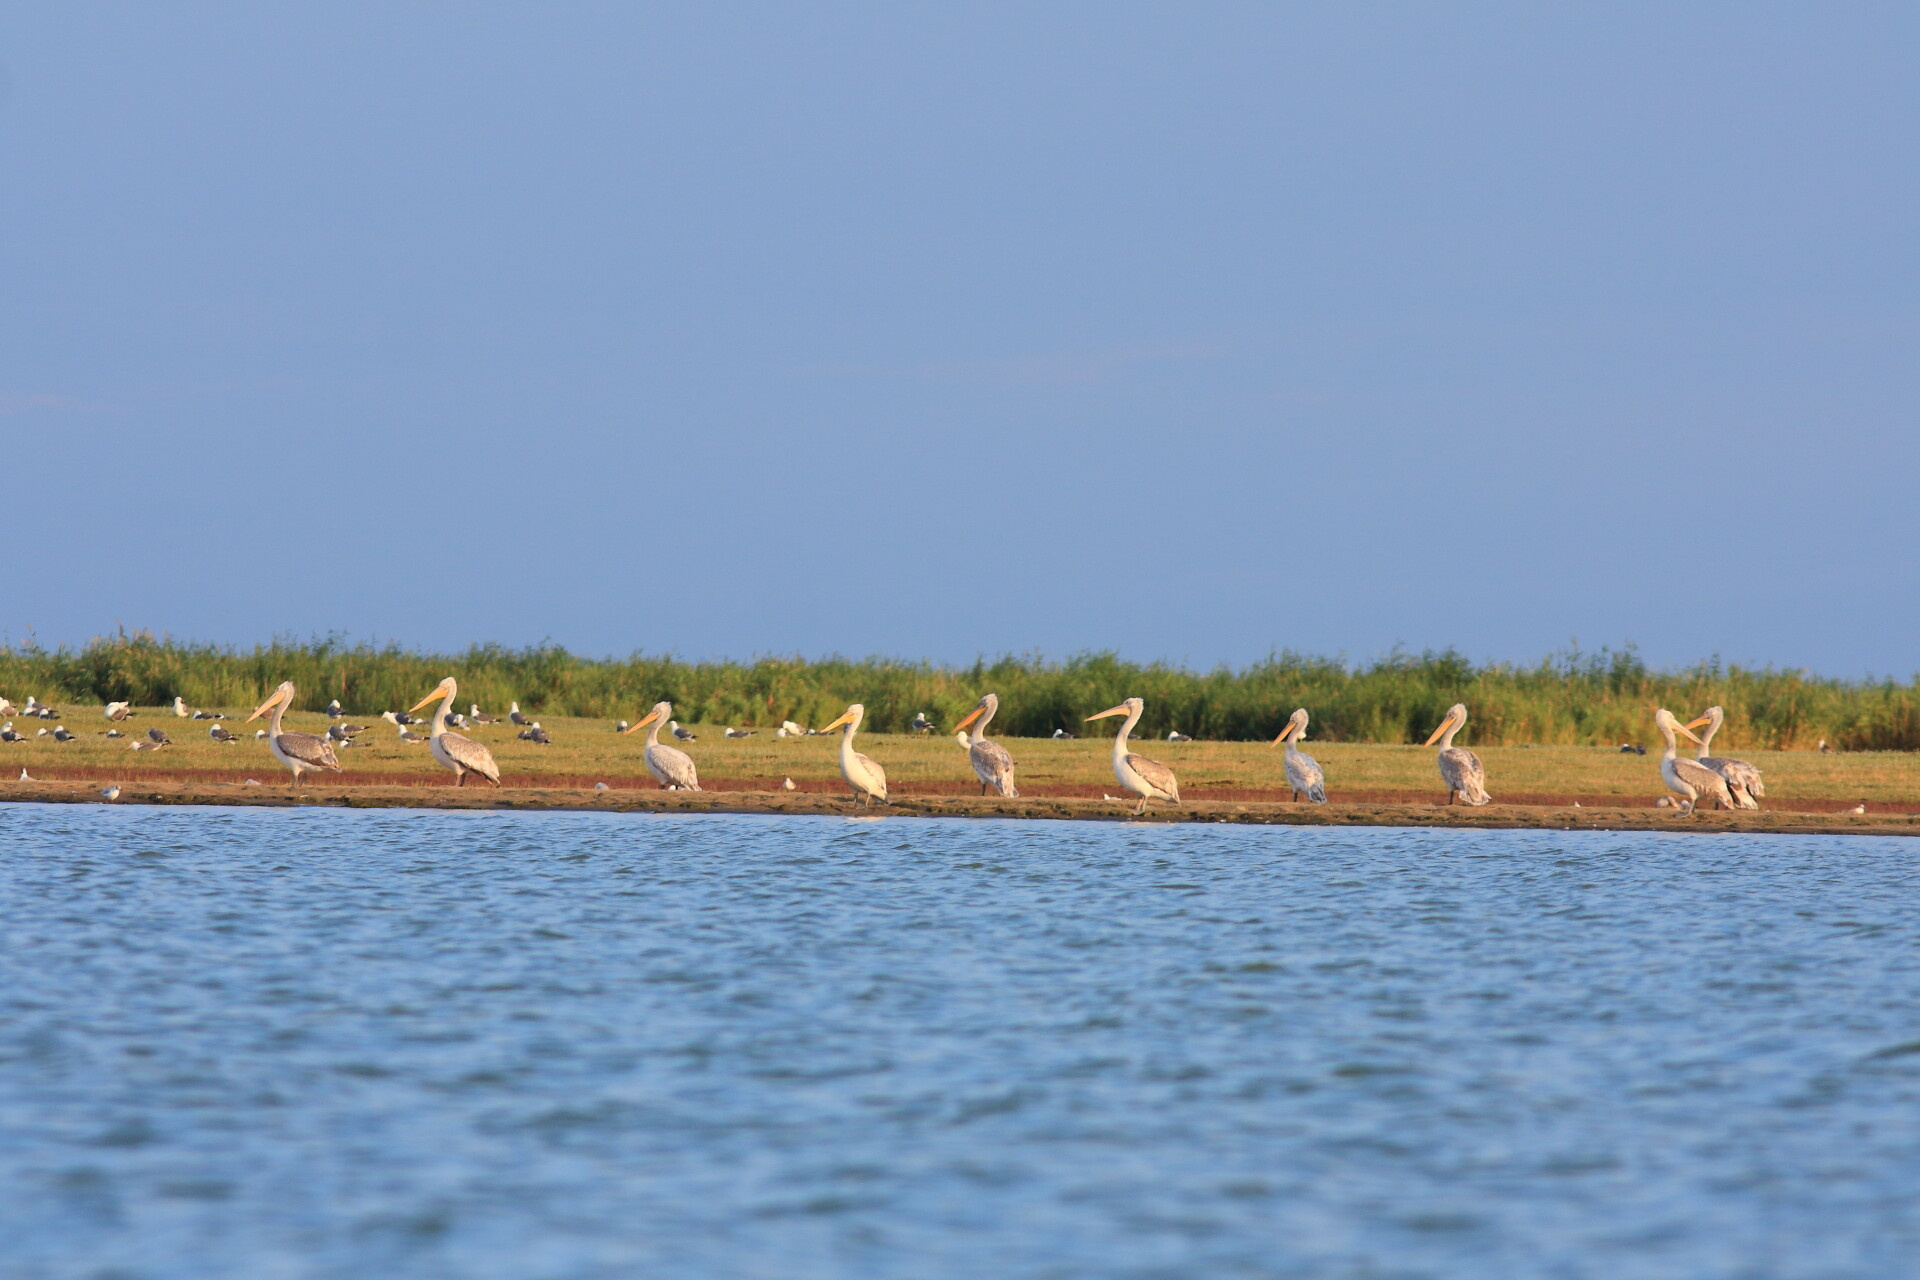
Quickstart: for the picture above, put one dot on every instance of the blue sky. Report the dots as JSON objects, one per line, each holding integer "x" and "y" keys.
{"x": 1188, "y": 331}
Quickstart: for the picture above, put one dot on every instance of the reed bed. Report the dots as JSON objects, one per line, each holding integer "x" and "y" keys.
{"x": 1570, "y": 699}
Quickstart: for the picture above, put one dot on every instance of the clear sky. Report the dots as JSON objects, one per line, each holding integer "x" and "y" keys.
{"x": 1191, "y": 331}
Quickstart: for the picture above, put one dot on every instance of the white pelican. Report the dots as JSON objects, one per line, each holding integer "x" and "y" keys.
{"x": 1459, "y": 768}
{"x": 1303, "y": 771}
{"x": 1148, "y": 779}
{"x": 991, "y": 763}
{"x": 180, "y": 707}
{"x": 1743, "y": 780}
{"x": 461, "y": 754}
{"x": 301, "y": 752}
{"x": 862, "y": 774}
{"x": 671, "y": 767}
{"x": 115, "y": 710}
{"x": 1688, "y": 779}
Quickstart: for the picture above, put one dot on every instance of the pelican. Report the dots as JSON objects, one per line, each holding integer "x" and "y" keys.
{"x": 1743, "y": 780}
{"x": 180, "y": 707}
{"x": 1303, "y": 771}
{"x": 1687, "y": 778}
{"x": 991, "y": 763}
{"x": 671, "y": 767}
{"x": 516, "y": 715}
{"x": 1148, "y": 779}
{"x": 115, "y": 710}
{"x": 862, "y": 774}
{"x": 475, "y": 714}
{"x": 301, "y": 752}
{"x": 461, "y": 754}
{"x": 1459, "y": 768}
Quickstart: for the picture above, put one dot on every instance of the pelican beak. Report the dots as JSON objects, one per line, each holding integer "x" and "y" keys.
{"x": 1435, "y": 735}
{"x": 971, "y": 717}
{"x": 1284, "y": 735}
{"x": 440, "y": 689}
{"x": 1687, "y": 733}
{"x": 1695, "y": 724}
{"x": 1110, "y": 711}
{"x": 650, "y": 717}
{"x": 261, "y": 709}
{"x": 844, "y": 719}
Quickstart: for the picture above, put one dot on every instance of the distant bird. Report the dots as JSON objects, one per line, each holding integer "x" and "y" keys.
{"x": 1663, "y": 803}
{"x": 111, "y": 793}
{"x": 9, "y": 734}
{"x": 1743, "y": 780}
{"x": 392, "y": 717}
{"x": 1061, "y": 733}
{"x": 479, "y": 716}
{"x": 517, "y": 716}
{"x": 7, "y": 708}
{"x": 48, "y": 713}
{"x": 333, "y": 710}
{"x": 402, "y": 717}
{"x": 259, "y": 733}
{"x": 180, "y": 707}
{"x": 1632, "y": 749}
{"x": 115, "y": 733}
{"x": 25, "y": 778}
{"x": 158, "y": 736}
{"x": 206, "y": 715}
{"x": 867, "y": 779}
{"x": 1689, "y": 779}
{"x": 33, "y": 706}
{"x": 115, "y": 710}
{"x": 408, "y": 735}
{"x": 619, "y": 726}
{"x": 601, "y": 786}
{"x": 1859, "y": 808}
{"x": 1148, "y": 779}
{"x": 685, "y": 735}
{"x": 41, "y": 733}
{"x": 921, "y": 724}
{"x": 1824, "y": 749}
{"x": 62, "y": 734}
{"x": 141, "y": 744}
{"x": 960, "y": 736}
{"x": 457, "y": 752}
{"x": 337, "y": 733}
{"x": 220, "y": 733}
{"x": 1174, "y": 735}
{"x": 536, "y": 734}
{"x": 991, "y": 762}
{"x": 786, "y": 784}
{"x": 671, "y": 768}
{"x": 1303, "y": 771}
{"x": 788, "y": 729}
{"x": 302, "y": 753}
{"x": 1459, "y": 768}
{"x": 457, "y": 721}
{"x": 739, "y": 733}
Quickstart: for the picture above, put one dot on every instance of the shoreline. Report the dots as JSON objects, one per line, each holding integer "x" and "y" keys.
{"x": 1056, "y": 808}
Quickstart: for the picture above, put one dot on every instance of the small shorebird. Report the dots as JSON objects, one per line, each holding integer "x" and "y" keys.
{"x": 1148, "y": 779}
{"x": 1303, "y": 771}
{"x": 867, "y": 779}
{"x": 1459, "y": 768}
{"x": 457, "y": 752}
{"x": 303, "y": 753}
{"x": 991, "y": 762}
{"x": 671, "y": 767}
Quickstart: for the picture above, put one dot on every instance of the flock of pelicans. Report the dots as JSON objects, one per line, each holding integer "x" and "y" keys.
{"x": 1726, "y": 783}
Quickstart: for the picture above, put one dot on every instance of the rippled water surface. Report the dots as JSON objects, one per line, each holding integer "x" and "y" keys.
{"x": 395, "y": 1044}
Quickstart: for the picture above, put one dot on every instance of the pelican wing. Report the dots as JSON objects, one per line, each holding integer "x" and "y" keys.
{"x": 1743, "y": 780}
{"x": 672, "y": 767}
{"x": 1460, "y": 770}
{"x": 1707, "y": 783}
{"x": 993, "y": 766}
{"x": 310, "y": 750}
{"x": 1304, "y": 776}
{"x": 1156, "y": 775}
{"x": 470, "y": 755}
{"x": 867, "y": 776}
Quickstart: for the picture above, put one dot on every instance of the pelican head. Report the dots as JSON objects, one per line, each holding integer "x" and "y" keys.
{"x": 988, "y": 704}
{"x": 661, "y": 710}
{"x": 1130, "y": 707}
{"x": 1670, "y": 723}
{"x": 281, "y": 697}
{"x": 851, "y": 717}
{"x": 444, "y": 689}
{"x": 1296, "y": 727}
{"x": 1712, "y": 715}
{"x": 1456, "y": 718}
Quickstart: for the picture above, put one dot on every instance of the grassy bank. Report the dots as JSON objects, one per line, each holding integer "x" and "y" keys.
{"x": 1566, "y": 700}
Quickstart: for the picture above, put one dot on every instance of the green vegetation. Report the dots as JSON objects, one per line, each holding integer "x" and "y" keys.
{"x": 1568, "y": 699}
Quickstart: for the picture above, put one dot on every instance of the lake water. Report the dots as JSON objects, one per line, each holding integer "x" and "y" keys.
{"x": 318, "y": 1043}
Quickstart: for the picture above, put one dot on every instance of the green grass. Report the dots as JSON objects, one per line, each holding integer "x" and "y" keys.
{"x": 1567, "y": 700}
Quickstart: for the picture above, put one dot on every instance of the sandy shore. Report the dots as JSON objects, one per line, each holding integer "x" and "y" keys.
{"x": 631, "y": 800}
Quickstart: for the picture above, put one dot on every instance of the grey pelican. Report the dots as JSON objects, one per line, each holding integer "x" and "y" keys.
{"x": 991, "y": 763}
{"x": 1459, "y": 768}
{"x": 671, "y": 767}
{"x": 475, "y": 714}
{"x": 459, "y": 753}
{"x": 921, "y": 724}
{"x": 738, "y": 733}
{"x": 160, "y": 738}
{"x": 684, "y": 735}
{"x": 1174, "y": 735}
{"x": 865, "y": 777}
{"x": 115, "y": 710}
{"x": 1148, "y": 779}
{"x": 220, "y": 733}
{"x": 1743, "y": 780}
{"x": 518, "y": 716}
{"x": 1688, "y": 779}
{"x": 1303, "y": 771}
{"x": 180, "y": 707}
{"x": 303, "y": 753}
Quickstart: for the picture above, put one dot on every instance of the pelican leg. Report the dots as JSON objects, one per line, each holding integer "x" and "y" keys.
{"x": 1141, "y": 808}
{"x": 460, "y": 778}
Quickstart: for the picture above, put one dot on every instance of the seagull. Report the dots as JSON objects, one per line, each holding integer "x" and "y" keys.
{"x": 601, "y": 786}
{"x": 111, "y": 793}
{"x": 1174, "y": 735}
{"x": 1824, "y": 749}
{"x": 1632, "y": 749}
{"x": 1859, "y": 808}
{"x": 685, "y": 735}
{"x": 480, "y": 717}
{"x": 180, "y": 707}
{"x": 534, "y": 733}
{"x": 739, "y": 733}
{"x": 1061, "y": 733}
{"x": 115, "y": 733}
{"x": 517, "y": 716}
{"x": 62, "y": 734}
{"x": 786, "y": 784}
{"x": 7, "y": 708}
{"x": 620, "y": 726}
{"x": 408, "y": 735}
{"x": 9, "y": 734}
{"x": 115, "y": 710}
{"x": 220, "y": 733}
{"x": 788, "y": 729}
{"x": 206, "y": 715}
{"x": 34, "y": 704}
{"x": 158, "y": 736}
{"x": 338, "y": 732}
{"x": 333, "y": 710}
{"x": 921, "y": 724}
{"x": 141, "y": 744}
{"x": 25, "y": 778}
{"x": 42, "y": 733}
{"x": 259, "y": 733}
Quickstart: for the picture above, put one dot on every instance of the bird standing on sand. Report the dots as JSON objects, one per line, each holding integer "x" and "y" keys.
{"x": 867, "y": 779}
{"x": 1148, "y": 779}
{"x": 1688, "y": 779}
{"x": 303, "y": 753}
{"x": 671, "y": 767}
{"x": 1303, "y": 771}
{"x": 111, "y": 793}
{"x": 1459, "y": 768}
{"x": 456, "y": 751}
{"x": 1743, "y": 780}
{"x": 991, "y": 762}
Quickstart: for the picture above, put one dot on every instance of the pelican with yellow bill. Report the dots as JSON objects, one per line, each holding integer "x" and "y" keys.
{"x": 303, "y": 753}
{"x": 991, "y": 762}
{"x": 456, "y": 751}
{"x": 1459, "y": 768}
{"x": 867, "y": 779}
{"x": 671, "y": 767}
{"x": 1148, "y": 779}
{"x": 1688, "y": 779}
